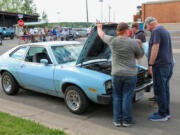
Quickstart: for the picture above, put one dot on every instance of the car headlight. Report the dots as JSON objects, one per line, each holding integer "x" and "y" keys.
{"x": 108, "y": 86}
{"x": 146, "y": 75}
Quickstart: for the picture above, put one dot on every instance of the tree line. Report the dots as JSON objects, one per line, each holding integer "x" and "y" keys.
{"x": 18, "y": 6}
{"x": 28, "y": 7}
{"x": 70, "y": 24}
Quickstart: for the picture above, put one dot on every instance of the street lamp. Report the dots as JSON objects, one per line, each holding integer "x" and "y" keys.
{"x": 87, "y": 11}
{"x": 101, "y": 10}
{"x": 109, "y": 13}
{"x": 139, "y": 8}
{"x": 58, "y": 13}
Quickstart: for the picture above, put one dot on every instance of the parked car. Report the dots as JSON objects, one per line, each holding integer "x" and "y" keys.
{"x": 68, "y": 33}
{"x": 82, "y": 32}
{"x": 6, "y": 32}
{"x": 65, "y": 70}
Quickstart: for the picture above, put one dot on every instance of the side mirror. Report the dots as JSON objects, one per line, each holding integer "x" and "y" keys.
{"x": 44, "y": 61}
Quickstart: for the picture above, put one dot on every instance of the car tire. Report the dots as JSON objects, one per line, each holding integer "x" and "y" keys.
{"x": 76, "y": 101}
{"x": 11, "y": 37}
{"x": 9, "y": 84}
{"x": 2, "y": 37}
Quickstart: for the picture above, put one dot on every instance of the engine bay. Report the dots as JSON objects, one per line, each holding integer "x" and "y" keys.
{"x": 104, "y": 67}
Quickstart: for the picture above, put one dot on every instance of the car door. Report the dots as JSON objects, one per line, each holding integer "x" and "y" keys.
{"x": 35, "y": 75}
{"x": 15, "y": 59}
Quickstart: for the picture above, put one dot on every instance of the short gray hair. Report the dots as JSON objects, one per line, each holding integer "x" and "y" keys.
{"x": 149, "y": 20}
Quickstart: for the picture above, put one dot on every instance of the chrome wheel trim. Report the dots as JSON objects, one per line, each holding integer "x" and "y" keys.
{"x": 73, "y": 100}
{"x": 7, "y": 83}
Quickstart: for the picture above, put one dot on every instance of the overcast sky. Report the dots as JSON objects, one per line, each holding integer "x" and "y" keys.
{"x": 75, "y": 10}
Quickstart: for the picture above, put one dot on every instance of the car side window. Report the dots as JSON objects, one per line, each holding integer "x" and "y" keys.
{"x": 35, "y": 54}
{"x": 19, "y": 53}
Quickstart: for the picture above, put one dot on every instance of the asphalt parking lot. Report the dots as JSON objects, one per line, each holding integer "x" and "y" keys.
{"x": 52, "y": 111}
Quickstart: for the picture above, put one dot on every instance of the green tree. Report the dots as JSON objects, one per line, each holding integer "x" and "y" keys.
{"x": 28, "y": 7}
{"x": 20, "y": 6}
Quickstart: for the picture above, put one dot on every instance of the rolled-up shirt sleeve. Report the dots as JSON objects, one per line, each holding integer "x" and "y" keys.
{"x": 156, "y": 37}
{"x": 107, "y": 39}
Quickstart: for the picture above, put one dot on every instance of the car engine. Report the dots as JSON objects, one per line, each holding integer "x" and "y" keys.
{"x": 104, "y": 67}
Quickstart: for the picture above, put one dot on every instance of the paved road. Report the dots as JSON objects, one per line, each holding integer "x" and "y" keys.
{"x": 52, "y": 111}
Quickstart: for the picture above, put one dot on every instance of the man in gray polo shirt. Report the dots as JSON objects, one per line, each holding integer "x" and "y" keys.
{"x": 124, "y": 51}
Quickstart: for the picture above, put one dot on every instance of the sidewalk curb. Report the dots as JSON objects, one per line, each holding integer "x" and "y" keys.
{"x": 70, "y": 125}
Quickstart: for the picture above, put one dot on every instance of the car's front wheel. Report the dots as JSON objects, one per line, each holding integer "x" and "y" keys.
{"x": 12, "y": 36}
{"x": 62, "y": 39}
{"x": 76, "y": 100}
{"x": 9, "y": 84}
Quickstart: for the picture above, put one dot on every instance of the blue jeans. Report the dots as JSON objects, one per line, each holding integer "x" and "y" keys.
{"x": 123, "y": 91}
{"x": 161, "y": 78}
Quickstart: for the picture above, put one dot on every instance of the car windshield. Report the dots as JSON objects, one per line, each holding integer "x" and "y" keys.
{"x": 67, "y": 53}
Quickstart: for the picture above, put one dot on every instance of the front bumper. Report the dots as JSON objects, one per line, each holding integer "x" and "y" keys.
{"x": 107, "y": 99}
{"x": 144, "y": 86}
{"x": 104, "y": 99}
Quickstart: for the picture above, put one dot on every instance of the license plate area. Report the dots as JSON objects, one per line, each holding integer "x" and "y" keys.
{"x": 139, "y": 95}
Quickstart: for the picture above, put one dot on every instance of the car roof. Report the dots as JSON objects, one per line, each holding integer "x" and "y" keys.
{"x": 52, "y": 43}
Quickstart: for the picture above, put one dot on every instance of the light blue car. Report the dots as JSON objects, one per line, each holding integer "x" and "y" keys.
{"x": 65, "y": 70}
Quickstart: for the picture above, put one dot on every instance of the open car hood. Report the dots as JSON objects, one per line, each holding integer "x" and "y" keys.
{"x": 94, "y": 47}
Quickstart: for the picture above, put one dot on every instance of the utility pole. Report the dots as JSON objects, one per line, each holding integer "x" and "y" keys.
{"x": 87, "y": 12}
{"x": 109, "y": 13}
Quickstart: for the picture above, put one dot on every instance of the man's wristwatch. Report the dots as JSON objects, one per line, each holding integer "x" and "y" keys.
{"x": 150, "y": 65}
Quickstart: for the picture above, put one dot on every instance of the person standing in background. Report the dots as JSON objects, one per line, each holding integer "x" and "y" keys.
{"x": 137, "y": 33}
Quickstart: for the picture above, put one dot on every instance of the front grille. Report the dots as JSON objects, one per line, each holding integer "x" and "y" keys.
{"x": 140, "y": 78}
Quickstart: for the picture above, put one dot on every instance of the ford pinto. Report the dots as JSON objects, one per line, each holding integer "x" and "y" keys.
{"x": 67, "y": 69}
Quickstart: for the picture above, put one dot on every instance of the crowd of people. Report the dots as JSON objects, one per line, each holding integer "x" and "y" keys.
{"x": 124, "y": 74}
{"x": 44, "y": 34}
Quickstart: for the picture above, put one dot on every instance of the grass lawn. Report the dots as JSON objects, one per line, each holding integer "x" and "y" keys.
{"x": 10, "y": 125}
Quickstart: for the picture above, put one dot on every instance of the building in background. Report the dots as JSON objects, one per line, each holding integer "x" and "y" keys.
{"x": 164, "y": 11}
{"x": 8, "y": 19}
